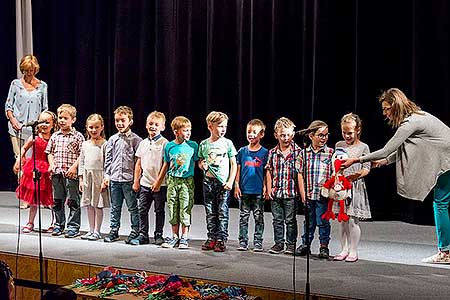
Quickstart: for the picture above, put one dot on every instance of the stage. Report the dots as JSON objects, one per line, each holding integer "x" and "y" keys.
{"x": 389, "y": 265}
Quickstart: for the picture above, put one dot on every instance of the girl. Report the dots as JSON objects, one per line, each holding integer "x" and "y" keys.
{"x": 94, "y": 195}
{"x": 25, "y": 190}
{"x": 358, "y": 208}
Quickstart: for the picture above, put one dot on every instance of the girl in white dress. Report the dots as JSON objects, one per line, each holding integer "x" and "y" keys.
{"x": 95, "y": 196}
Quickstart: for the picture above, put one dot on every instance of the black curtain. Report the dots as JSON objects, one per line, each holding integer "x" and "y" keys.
{"x": 303, "y": 59}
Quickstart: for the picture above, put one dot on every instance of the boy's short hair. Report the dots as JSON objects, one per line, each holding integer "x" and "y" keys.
{"x": 180, "y": 122}
{"x": 257, "y": 122}
{"x": 283, "y": 122}
{"x": 70, "y": 109}
{"x": 216, "y": 117}
{"x": 124, "y": 110}
{"x": 157, "y": 115}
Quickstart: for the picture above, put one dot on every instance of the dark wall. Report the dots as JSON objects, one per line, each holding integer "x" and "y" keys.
{"x": 301, "y": 59}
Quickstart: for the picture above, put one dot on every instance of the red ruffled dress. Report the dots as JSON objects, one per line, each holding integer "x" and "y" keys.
{"x": 25, "y": 190}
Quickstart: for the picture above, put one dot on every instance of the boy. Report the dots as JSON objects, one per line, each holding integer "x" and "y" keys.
{"x": 248, "y": 186}
{"x": 217, "y": 158}
{"x": 149, "y": 161}
{"x": 179, "y": 162}
{"x": 282, "y": 187}
{"x": 317, "y": 170}
{"x": 63, "y": 150}
{"x": 119, "y": 173}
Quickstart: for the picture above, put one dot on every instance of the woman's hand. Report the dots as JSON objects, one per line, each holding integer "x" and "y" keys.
{"x": 348, "y": 162}
{"x": 378, "y": 163}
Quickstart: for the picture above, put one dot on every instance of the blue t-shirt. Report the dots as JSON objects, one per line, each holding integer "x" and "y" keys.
{"x": 252, "y": 170}
{"x": 181, "y": 158}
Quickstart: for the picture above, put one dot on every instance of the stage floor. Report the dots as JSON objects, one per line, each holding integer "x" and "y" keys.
{"x": 389, "y": 267}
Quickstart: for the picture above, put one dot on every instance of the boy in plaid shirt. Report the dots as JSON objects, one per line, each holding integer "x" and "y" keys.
{"x": 283, "y": 186}
{"x": 63, "y": 150}
{"x": 318, "y": 168}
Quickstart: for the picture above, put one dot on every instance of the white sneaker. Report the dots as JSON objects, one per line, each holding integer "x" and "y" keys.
{"x": 439, "y": 258}
{"x": 86, "y": 236}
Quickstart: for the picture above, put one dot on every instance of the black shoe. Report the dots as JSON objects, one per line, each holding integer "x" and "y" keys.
{"x": 324, "y": 253}
{"x": 159, "y": 240}
{"x": 277, "y": 248}
{"x": 112, "y": 236}
{"x": 302, "y": 250}
{"x": 290, "y": 249}
{"x": 132, "y": 236}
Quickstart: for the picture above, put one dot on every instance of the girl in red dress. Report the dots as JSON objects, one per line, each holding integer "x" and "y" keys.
{"x": 25, "y": 190}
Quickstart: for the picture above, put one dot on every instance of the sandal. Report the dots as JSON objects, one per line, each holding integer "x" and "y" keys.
{"x": 28, "y": 228}
{"x": 50, "y": 229}
{"x": 340, "y": 257}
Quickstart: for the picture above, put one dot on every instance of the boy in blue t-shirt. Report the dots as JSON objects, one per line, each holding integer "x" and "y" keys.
{"x": 249, "y": 185}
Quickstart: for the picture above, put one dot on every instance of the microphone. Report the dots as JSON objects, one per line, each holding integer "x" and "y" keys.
{"x": 303, "y": 132}
{"x": 33, "y": 123}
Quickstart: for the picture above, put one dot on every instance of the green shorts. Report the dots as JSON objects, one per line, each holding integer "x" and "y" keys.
{"x": 180, "y": 199}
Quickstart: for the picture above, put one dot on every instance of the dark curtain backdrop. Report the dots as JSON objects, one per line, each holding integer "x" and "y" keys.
{"x": 302, "y": 59}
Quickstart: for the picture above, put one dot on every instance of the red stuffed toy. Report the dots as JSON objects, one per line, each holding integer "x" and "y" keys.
{"x": 337, "y": 188}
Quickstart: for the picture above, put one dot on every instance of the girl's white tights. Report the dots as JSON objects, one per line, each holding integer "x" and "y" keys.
{"x": 95, "y": 218}
{"x": 350, "y": 234}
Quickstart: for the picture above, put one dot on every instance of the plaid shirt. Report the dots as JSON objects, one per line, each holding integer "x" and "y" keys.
{"x": 65, "y": 148}
{"x": 283, "y": 171}
{"x": 318, "y": 170}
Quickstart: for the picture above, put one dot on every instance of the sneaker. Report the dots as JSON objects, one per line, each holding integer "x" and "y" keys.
{"x": 439, "y": 258}
{"x": 324, "y": 253}
{"x": 208, "y": 245}
{"x": 87, "y": 235}
{"x": 112, "y": 236}
{"x": 71, "y": 234}
{"x": 57, "y": 232}
{"x": 159, "y": 240}
{"x": 132, "y": 236}
{"x": 140, "y": 240}
{"x": 219, "y": 246}
{"x": 302, "y": 250}
{"x": 28, "y": 228}
{"x": 95, "y": 236}
{"x": 184, "y": 243}
{"x": 242, "y": 246}
{"x": 277, "y": 248}
{"x": 258, "y": 247}
{"x": 170, "y": 242}
{"x": 290, "y": 249}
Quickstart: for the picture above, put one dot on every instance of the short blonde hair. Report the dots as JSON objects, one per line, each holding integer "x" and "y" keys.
{"x": 283, "y": 123}
{"x": 29, "y": 62}
{"x": 95, "y": 117}
{"x": 216, "y": 117}
{"x": 180, "y": 122}
{"x": 157, "y": 115}
{"x": 351, "y": 117}
{"x": 70, "y": 109}
{"x": 124, "y": 110}
{"x": 257, "y": 122}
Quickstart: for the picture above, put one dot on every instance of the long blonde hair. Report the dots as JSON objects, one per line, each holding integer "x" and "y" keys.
{"x": 401, "y": 106}
{"x": 95, "y": 117}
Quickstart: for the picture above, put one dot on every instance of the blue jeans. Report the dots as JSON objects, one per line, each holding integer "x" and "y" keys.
{"x": 255, "y": 204}
{"x": 316, "y": 209}
{"x": 216, "y": 207}
{"x": 120, "y": 191}
{"x": 284, "y": 212}
{"x": 441, "y": 202}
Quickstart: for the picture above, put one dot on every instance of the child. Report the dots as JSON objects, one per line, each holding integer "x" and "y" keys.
{"x": 179, "y": 162}
{"x": 94, "y": 197}
{"x": 218, "y": 161}
{"x": 248, "y": 186}
{"x": 282, "y": 187}
{"x": 119, "y": 173}
{"x": 26, "y": 188}
{"x": 317, "y": 170}
{"x": 63, "y": 151}
{"x": 358, "y": 208}
{"x": 149, "y": 161}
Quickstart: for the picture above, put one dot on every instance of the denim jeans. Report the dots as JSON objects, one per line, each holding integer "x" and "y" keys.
{"x": 284, "y": 212}
{"x": 316, "y": 209}
{"x": 441, "y": 202}
{"x": 255, "y": 204}
{"x": 66, "y": 189}
{"x": 119, "y": 191}
{"x": 216, "y": 207}
{"x": 145, "y": 200}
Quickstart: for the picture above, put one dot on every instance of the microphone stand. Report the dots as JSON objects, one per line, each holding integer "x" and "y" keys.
{"x": 307, "y": 221}
{"x": 37, "y": 198}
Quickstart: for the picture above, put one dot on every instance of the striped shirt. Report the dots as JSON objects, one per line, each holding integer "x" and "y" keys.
{"x": 318, "y": 169}
{"x": 66, "y": 148}
{"x": 283, "y": 171}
